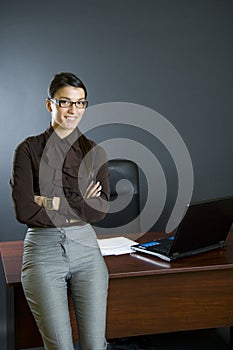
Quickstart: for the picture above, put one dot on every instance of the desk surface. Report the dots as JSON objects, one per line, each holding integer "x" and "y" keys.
{"x": 130, "y": 265}
{"x": 192, "y": 293}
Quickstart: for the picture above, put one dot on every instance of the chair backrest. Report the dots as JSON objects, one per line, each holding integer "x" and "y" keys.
{"x": 124, "y": 199}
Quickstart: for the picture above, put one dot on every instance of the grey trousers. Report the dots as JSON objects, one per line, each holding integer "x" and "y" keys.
{"x": 53, "y": 260}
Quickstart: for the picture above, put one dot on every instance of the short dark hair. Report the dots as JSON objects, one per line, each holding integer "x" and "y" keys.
{"x": 65, "y": 79}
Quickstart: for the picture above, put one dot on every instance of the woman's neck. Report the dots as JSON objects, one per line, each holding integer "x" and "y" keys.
{"x": 61, "y": 132}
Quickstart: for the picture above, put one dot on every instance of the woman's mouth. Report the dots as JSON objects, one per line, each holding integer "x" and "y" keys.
{"x": 70, "y": 118}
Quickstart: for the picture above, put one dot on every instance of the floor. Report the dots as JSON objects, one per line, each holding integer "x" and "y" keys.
{"x": 210, "y": 339}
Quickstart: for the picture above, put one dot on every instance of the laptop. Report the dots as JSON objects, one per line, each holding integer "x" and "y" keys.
{"x": 204, "y": 227}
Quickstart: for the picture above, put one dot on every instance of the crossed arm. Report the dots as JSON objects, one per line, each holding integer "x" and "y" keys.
{"x": 53, "y": 203}
{"x": 32, "y": 208}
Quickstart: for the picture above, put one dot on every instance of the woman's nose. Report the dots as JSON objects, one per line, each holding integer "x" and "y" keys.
{"x": 72, "y": 108}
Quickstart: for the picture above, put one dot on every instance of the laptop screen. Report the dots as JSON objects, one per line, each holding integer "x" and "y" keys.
{"x": 205, "y": 223}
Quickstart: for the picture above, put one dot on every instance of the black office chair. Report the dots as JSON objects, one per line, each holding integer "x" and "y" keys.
{"x": 123, "y": 216}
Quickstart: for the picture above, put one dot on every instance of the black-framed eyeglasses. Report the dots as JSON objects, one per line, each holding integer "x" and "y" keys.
{"x": 80, "y": 104}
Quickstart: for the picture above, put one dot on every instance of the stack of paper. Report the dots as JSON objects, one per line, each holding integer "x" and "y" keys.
{"x": 115, "y": 246}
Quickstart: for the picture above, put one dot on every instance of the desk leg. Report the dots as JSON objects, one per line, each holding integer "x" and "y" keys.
{"x": 10, "y": 321}
{"x": 231, "y": 337}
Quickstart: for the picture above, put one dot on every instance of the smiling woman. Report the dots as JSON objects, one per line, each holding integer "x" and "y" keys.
{"x": 66, "y": 103}
{"x": 65, "y": 115}
{"x": 58, "y": 191}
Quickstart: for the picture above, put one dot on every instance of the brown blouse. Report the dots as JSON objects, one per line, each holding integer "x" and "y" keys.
{"x": 49, "y": 166}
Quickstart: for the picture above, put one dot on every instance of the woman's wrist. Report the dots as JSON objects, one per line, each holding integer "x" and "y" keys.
{"x": 49, "y": 203}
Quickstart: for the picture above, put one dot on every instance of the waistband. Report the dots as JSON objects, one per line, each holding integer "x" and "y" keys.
{"x": 70, "y": 223}
{"x": 58, "y": 229}
{"x": 84, "y": 235}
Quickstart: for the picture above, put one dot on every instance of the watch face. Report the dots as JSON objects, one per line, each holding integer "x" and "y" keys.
{"x": 49, "y": 203}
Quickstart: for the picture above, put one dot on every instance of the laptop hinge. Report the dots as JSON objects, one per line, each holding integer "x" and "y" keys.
{"x": 222, "y": 244}
{"x": 175, "y": 254}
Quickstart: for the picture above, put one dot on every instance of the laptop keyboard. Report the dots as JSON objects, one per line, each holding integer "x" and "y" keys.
{"x": 163, "y": 247}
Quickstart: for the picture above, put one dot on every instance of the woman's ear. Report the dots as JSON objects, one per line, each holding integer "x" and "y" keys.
{"x": 48, "y": 105}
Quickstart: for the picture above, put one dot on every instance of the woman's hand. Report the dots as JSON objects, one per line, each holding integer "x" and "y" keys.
{"x": 93, "y": 190}
{"x": 39, "y": 200}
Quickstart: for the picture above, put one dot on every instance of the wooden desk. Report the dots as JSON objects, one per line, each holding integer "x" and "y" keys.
{"x": 146, "y": 295}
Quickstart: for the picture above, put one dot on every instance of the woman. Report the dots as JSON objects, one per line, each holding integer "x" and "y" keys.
{"x": 60, "y": 184}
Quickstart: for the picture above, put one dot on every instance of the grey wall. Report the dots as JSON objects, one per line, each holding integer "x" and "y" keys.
{"x": 172, "y": 56}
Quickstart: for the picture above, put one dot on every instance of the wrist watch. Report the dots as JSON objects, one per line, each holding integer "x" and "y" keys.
{"x": 48, "y": 203}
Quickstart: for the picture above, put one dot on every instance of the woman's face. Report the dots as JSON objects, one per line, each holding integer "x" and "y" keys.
{"x": 66, "y": 119}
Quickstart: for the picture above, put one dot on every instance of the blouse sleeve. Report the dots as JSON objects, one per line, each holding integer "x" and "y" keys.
{"x": 26, "y": 210}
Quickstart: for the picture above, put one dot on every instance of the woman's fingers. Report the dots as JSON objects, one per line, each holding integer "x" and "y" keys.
{"x": 86, "y": 193}
{"x": 93, "y": 190}
{"x": 38, "y": 200}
